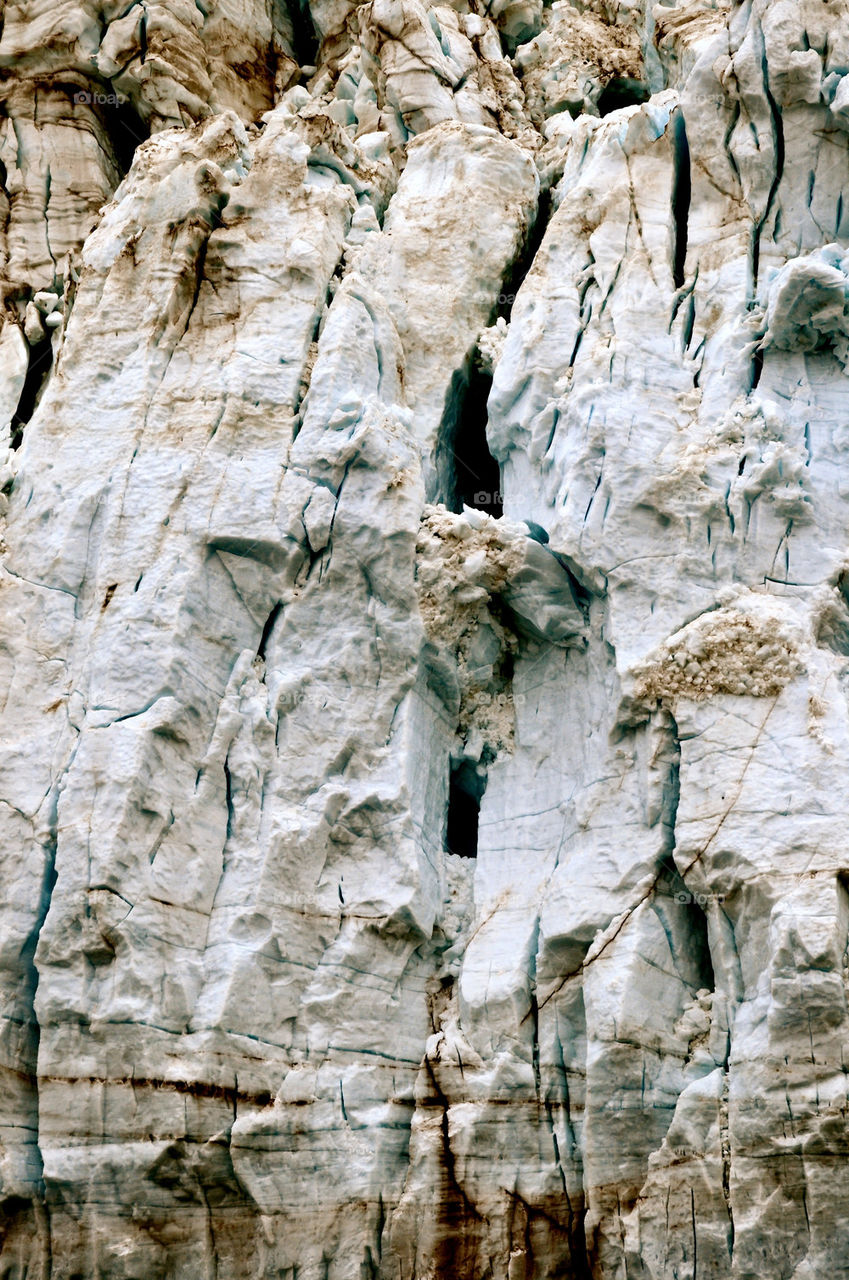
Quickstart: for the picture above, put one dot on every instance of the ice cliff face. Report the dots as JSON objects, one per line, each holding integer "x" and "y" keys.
{"x": 424, "y": 449}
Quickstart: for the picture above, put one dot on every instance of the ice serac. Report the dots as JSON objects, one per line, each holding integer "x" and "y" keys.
{"x": 424, "y": 564}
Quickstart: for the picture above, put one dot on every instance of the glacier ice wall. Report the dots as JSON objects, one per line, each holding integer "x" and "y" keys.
{"x": 424, "y": 538}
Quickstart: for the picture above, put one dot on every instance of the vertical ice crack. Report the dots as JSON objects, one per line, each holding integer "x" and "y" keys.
{"x": 471, "y": 476}
{"x": 778, "y": 148}
{"x": 38, "y": 371}
{"x": 681, "y": 194}
{"x": 725, "y": 1149}
{"x": 465, "y": 792}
